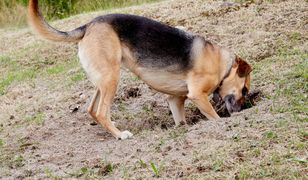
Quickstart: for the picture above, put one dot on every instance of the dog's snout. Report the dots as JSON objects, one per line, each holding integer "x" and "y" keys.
{"x": 231, "y": 104}
{"x": 230, "y": 99}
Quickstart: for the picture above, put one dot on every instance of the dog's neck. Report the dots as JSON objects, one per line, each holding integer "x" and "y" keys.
{"x": 228, "y": 61}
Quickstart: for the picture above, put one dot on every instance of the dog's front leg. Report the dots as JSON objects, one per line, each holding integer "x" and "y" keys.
{"x": 176, "y": 104}
{"x": 204, "y": 105}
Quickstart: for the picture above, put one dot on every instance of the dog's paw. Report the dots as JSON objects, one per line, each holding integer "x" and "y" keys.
{"x": 126, "y": 135}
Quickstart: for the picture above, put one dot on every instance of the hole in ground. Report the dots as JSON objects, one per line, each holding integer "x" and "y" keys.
{"x": 252, "y": 99}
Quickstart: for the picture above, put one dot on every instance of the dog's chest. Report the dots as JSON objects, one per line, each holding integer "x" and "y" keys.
{"x": 164, "y": 81}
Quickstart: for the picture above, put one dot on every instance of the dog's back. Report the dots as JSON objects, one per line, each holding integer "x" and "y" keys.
{"x": 156, "y": 45}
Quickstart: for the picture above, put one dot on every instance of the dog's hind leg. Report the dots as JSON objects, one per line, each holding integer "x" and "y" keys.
{"x": 101, "y": 54}
{"x": 92, "y": 109}
{"x": 107, "y": 89}
{"x": 100, "y": 105}
{"x": 176, "y": 104}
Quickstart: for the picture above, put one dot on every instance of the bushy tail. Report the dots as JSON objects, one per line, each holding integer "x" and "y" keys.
{"x": 39, "y": 24}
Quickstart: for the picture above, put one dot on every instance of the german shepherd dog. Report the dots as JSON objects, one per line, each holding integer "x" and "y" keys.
{"x": 168, "y": 59}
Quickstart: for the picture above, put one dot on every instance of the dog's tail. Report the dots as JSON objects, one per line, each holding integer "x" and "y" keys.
{"x": 39, "y": 24}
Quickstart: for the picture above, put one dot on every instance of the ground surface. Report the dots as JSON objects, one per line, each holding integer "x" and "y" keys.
{"x": 45, "y": 131}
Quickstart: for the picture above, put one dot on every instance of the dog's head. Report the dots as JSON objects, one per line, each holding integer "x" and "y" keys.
{"x": 235, "y": 87}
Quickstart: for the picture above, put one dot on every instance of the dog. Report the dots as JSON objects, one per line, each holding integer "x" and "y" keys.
{"x": 169, "y": 60}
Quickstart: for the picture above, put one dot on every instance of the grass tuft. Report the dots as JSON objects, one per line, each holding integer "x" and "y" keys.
{"x": 17, "y": 76}
{"x": 37, "y": 119}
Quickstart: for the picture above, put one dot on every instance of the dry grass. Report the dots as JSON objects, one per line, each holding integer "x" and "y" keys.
{"x": 46, "y": 133}
{"x": 13, "y": 12}
{"x": 13, "y": 16}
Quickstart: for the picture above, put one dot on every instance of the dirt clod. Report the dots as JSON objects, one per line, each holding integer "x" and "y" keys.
{"x": 94, "y": 123}
{"x": 74, "y": 108}
{"x": 201, "y": 169}
{"x": 164, "y": 127}
{"x": 133, "y": 92}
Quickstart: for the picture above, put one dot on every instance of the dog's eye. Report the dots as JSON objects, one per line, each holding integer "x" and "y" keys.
{"x": 244, "y": 91}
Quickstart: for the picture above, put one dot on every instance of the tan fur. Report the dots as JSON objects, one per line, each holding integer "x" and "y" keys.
{"x": 176, "y": 104}
{"x": 101, "y": 53}
{"x": 234, "y": 83}
{"x": 204, "y": 78}
{"x": 176, "y": 84}
{"x": 45, "y": 30}
{"x": 101, "y": 57}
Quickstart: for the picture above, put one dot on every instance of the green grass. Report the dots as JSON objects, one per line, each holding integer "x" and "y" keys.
{"x": 5, "y": 61}
{"x": 37, "y": 119}
{"x": 270, "y": 135}
{"x": 142, "y": 164}
{"x": 58, "y": 69}
{"x": 100, "y": 170}
{"x": 19, "y": 161}
{"x": 1, "y": 143}
{"x": 291, "y": 85}
{"x": 17, "y": 69}
{"x": 13, "y": 12}
{"x": 294, "y": 87}
{"x": 157, "y": 170}
{"x": 78, "y": 76}
{"x": 51, "y": 175}
{"x": 17, "y": 76}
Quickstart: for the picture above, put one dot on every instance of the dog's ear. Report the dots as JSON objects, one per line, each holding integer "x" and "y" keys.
{"x": 243, "y": 67}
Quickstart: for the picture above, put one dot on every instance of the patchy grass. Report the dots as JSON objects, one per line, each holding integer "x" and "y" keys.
{"x": 78, "y": 76}
{"x": 40, "y": 66}
{"x": 290, "y": 86}
{"x": 157, "y": 169}
{"x": 15, "y": 77}
{"x": 1, "y": 143}
{"x": 37, "y": 119}
{"x": 14, "y": 12}
{"x": 58, "y": 69}
{"x": 100, "y": 170}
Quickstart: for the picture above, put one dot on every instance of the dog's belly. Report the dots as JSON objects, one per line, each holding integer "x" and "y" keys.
{"x": 164, "y": 81}
{"x": 168, "y": 80}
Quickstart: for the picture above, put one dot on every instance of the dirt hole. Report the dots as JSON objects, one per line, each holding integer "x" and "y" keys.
{"x": 251, "y": 100}
{"x": 128, "y": 92}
